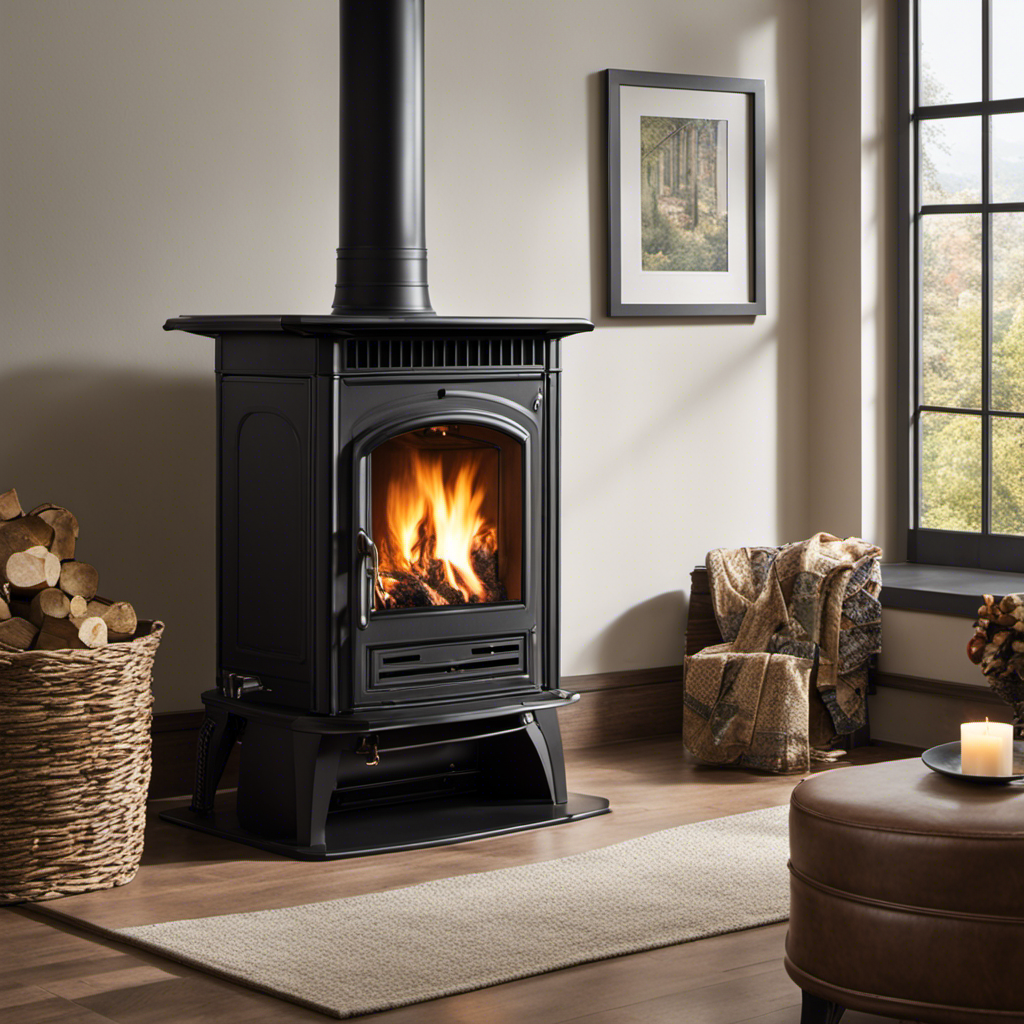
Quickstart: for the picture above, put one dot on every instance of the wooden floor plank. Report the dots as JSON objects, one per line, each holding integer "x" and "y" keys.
{"x": 95, "y": 983}
{"x": 710, "y": 1004}
{"x": 610, "y": 984}
{"x": 721, "y": 980}
{"x": 12, "y": 996}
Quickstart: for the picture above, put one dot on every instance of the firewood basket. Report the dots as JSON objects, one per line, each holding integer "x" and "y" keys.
{"x": 74, "y": 766}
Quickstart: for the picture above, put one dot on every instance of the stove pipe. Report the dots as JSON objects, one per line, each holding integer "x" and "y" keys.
{"x": 382, "y": 258}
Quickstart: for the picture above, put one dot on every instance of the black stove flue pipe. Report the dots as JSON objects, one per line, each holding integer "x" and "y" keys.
{"x": 382, "y": 258}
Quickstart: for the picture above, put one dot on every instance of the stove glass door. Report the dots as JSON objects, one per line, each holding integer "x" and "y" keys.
{"x": 447, "y": 517}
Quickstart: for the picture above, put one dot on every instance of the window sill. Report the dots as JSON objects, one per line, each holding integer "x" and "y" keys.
{"x": 947, "y": 589}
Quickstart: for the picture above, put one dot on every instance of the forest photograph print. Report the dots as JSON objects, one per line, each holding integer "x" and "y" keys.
{"x": 684, "y": 194}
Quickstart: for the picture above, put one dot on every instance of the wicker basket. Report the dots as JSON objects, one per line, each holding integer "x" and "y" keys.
{"x": 74, "y": 766}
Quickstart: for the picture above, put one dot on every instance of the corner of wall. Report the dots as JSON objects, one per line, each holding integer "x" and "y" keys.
{"x": 851, "y": 304}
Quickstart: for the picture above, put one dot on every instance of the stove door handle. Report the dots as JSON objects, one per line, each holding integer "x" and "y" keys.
{"x": 371, "y": 569}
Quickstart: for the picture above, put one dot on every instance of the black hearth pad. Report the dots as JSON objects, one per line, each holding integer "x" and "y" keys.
{"x": 357, "y": 833}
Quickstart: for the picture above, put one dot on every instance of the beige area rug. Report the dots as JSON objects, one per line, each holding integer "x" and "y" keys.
{"x": 365, "y": 953}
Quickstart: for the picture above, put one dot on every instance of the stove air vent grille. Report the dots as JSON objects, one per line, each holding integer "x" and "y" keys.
{"x": 443, "y": 353}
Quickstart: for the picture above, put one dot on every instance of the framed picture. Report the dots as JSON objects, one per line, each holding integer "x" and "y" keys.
{"x": 685, "y": 195}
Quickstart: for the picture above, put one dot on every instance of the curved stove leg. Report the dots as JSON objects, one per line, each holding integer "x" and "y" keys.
{"x": 217, "y": 736}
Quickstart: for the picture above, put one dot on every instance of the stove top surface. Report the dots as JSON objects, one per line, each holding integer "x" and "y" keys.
{"x": 351, "y": 326}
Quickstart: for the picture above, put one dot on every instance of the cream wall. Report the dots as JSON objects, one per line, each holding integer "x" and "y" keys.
{"x": 852, "y": 240}
{"x": 927, "y": 646}
{"x": 164, "y": 158}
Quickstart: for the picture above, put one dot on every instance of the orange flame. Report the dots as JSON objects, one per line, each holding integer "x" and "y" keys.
{"x": 430, "y": 519}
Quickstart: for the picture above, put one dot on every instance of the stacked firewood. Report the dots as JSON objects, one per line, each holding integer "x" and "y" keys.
{"x": 48, "y": 599}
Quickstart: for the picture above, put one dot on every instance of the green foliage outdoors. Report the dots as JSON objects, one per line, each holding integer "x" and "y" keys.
{"x": 951, "y": 360}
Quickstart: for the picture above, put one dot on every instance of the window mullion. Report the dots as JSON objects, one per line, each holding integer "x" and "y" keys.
{"x": 917, "y": 392}
{"x": 908, "y": 457}
{"x": 986, "y": 270}
{"x": 986, "y": 51}
{"x": 973, "y": 207}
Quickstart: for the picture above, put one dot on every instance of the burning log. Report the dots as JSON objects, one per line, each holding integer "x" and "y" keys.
{"x": 429, "y": 585}
{"x": 450, "y": 594}
{"x": 407, "y": 590}
{"x": 485, "y": 565}
{"x": 437, "y": 579}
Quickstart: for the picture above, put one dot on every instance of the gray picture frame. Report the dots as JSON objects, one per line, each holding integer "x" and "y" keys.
{"x": 623, "y": 305}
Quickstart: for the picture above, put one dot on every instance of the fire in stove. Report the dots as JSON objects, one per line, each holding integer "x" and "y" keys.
{"x": 437, "y": 513}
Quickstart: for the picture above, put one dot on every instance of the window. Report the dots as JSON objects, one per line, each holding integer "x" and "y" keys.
{"x": 962, "y": 281}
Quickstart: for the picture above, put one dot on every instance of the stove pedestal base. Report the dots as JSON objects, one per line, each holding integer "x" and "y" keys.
{"x": 321, "y": 787}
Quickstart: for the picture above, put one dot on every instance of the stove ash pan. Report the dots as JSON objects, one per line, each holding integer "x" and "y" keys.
{"x": 388, "y": 525}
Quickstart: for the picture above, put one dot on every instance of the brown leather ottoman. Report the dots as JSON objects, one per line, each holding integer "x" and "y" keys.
{"x": 907, "y": 896}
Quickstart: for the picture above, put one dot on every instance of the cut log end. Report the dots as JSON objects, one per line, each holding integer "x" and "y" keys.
{"x": 47, "y": 641}
{"x": 92, "y": 631}
{"x": 35, "y": 569}
{"x": 25, "y": 570}
{"x": 79, "y": 579}
{"x": 118, "y": 615}
{"x": 78, "y": 606}
{"x": 10, "y": 507}
{"x": 49, "y": 604}
{"x": 58, "y": 634}
{"x": 52, "y": 564}
{"x": 21, "y": 534}
{"x": 18, "y": 633}
{"x": 65, "y": 531}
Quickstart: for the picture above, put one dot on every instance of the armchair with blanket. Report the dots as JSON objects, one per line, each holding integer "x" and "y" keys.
{"x": 800, "y": 623}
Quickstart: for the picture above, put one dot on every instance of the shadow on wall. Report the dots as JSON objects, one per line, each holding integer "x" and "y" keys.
{"x": 133, "y": 456}
{"x": 652, "y": 632}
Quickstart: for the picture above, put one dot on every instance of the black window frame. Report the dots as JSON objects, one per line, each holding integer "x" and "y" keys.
{"x": 984, "y": 550}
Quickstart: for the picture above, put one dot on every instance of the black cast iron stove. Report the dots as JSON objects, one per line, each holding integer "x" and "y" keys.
{"x": 388, "y": 529}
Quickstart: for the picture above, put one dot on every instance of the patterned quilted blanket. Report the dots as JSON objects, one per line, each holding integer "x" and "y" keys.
{"x": 800, "y": 623}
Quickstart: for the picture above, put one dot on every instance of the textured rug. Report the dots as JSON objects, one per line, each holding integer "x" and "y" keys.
{"x": 365, "y": 953}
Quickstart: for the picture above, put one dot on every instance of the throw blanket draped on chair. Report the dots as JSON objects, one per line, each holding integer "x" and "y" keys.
{"x": 800, "y": 623}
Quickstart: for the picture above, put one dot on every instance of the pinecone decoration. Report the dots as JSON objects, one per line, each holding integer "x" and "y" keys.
{"x": 998, "y": 647}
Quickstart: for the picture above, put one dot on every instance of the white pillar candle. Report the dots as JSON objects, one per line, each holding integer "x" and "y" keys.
{"x": 986, "y": 748}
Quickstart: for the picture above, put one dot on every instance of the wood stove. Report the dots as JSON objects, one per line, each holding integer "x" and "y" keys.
{"x": 388, "y": 606}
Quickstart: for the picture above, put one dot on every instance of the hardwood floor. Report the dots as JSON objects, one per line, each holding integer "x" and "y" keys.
{"x": 54, "y": 969}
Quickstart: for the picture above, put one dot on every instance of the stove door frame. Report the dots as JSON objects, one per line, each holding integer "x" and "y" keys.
{"x": 511, "y": 407}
